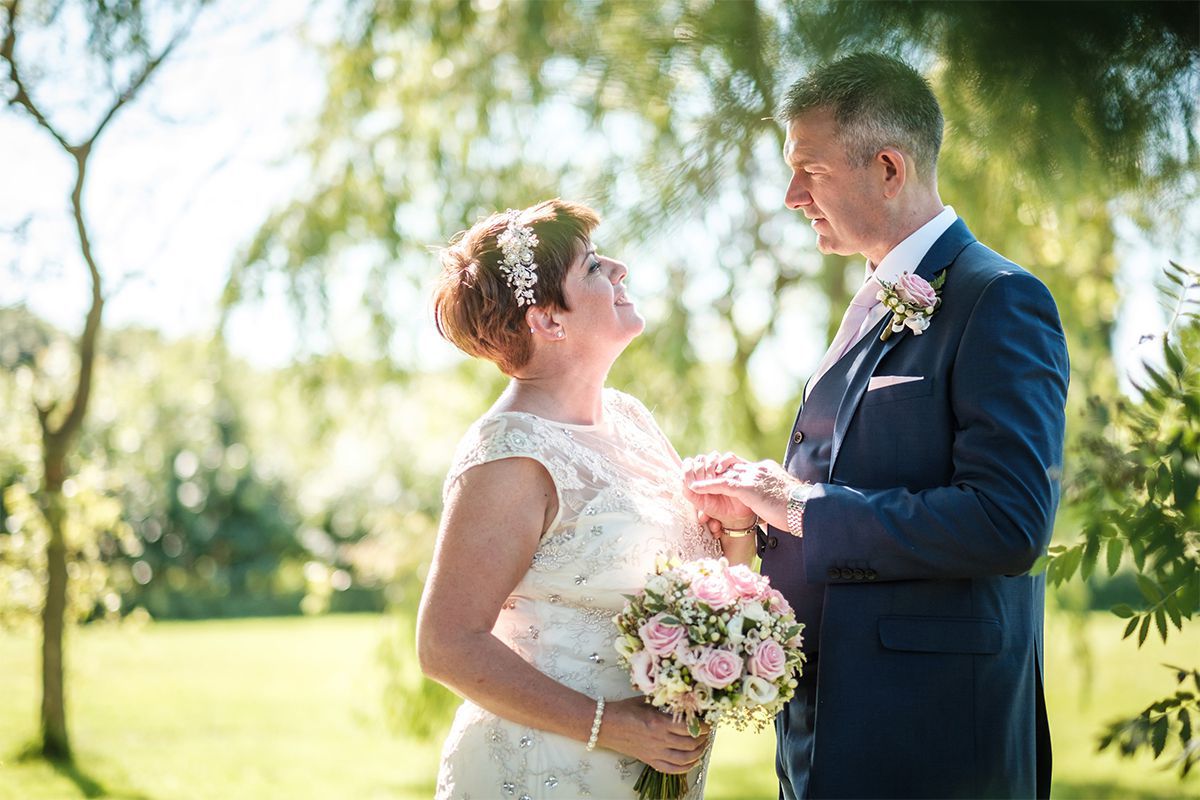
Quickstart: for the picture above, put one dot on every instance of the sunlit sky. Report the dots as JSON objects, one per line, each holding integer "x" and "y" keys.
{"x": 187, "y": 173}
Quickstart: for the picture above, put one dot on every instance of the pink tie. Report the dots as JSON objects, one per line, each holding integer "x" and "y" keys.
{"x": 847, "y": 335}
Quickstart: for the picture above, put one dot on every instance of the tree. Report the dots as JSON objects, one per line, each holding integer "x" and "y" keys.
{"x": 119, "y": 40}
{"x": 1136, "y": 492}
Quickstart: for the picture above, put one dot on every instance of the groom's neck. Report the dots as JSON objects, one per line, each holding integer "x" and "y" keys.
{"x": 910, "y": 211}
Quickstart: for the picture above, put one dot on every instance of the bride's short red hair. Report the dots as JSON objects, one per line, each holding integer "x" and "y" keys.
{"x": 474, "y": 307}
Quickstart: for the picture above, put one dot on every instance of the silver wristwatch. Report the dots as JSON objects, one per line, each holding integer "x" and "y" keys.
{"x": 795, "y": 509}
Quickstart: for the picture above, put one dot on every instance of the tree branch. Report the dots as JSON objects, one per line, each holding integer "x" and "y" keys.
{"x": 21, "y": 96}
{"x": 136, "y": 84}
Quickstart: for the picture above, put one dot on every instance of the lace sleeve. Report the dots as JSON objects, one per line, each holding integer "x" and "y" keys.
{"x": 508, "y": 435}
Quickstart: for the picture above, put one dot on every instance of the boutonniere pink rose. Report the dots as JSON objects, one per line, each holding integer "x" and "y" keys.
{"x": 912, "y": 301}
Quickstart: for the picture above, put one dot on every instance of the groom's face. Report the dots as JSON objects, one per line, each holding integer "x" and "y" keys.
{"x": 841, "y": 200}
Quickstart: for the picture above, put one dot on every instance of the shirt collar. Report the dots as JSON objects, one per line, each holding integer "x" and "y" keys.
{"x": 906, "y": 256}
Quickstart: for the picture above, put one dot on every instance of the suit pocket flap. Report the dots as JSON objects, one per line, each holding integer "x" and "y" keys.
{"x": 940, "y": 634}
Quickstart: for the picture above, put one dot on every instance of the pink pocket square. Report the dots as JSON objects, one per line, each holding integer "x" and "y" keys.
{"x": 881, "y": 381}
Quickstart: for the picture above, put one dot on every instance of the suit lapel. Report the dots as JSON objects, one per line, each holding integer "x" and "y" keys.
{"x": 941, "y": 256}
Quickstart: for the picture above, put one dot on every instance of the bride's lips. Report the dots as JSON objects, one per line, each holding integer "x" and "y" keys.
{"x": 623, "y": 300}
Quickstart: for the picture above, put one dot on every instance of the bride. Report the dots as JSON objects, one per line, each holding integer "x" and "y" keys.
{"x": 558, "y": 502}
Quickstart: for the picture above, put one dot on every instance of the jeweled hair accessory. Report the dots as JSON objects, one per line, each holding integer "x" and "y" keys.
{"x": 517, "y": 243}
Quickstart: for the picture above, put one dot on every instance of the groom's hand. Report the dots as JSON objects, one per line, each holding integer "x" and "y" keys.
{"x": 761, "y": 486}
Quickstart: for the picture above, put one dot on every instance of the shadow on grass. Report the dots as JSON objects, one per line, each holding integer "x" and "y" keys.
{"x": 1106, "y": 791}
{"x": 68, "y": 769}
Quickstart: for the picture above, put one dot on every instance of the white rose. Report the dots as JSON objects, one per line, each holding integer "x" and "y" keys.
{"x": 734, "y": 629}
{"x": 755, "y": 611}
{"x": 659, "y": 585}
{"x": 758, "y": 691}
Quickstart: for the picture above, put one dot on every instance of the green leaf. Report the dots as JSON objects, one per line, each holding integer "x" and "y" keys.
{"x": 1040, "y": 565}
{"x": 1149, "y": 589}
{"x": 1123, "y": 611}
{"x": 1113, "y": 555}
{"x": 1129, "y": 628}
{"x": 1088, "y": 560}
{"x": 1185, "y": 727}
{"x": 1160, "y": 621}
{"x": 1158, "y": 735}
{"x": 1173, "y": 358}
{"x": 1144, "y": 630}
{"x": 1173, "y": 611}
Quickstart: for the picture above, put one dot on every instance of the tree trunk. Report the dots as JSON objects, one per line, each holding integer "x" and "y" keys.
{"x": 55, "y": 743}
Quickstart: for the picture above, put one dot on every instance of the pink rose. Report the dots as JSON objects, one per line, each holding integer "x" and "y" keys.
{"x": 745, "y": 582}
{"x": 915, "y": 291}
{"x": 777, "y": 601}
{"x": 768, "y": 660}
{"x": 642, "y": 670}
{"x": 714, "y": 590}
{"x": 717, "y": 668}
{"x": 661, "y": 637}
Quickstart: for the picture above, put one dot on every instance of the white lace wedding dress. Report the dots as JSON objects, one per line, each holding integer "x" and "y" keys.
{"x": 620, "y": 507}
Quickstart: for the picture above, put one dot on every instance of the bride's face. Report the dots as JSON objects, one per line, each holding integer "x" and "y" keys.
{"x": 601, "y": 308}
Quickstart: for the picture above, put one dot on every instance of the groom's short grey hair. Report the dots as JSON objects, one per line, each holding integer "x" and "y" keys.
{"x": 877, "y": 101}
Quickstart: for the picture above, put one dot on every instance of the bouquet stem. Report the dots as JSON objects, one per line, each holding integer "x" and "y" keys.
{"x": 655, "y": 785}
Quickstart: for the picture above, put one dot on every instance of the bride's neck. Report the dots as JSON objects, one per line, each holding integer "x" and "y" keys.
{"x": 565, "y": 397}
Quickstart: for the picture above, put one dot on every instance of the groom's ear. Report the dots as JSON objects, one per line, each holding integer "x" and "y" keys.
{"x": 894, "y": 169}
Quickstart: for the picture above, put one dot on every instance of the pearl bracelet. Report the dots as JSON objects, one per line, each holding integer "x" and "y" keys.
{"x": 591, "y": 745}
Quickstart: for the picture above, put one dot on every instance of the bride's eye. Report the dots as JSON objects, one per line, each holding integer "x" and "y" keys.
{"x": 595, "y": 265}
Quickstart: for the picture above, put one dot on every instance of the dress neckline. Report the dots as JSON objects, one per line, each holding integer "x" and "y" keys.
{"x": 604, "y": 426}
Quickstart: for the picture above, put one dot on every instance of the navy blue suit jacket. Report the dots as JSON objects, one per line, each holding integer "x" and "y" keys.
{"x": 940, "y": 495}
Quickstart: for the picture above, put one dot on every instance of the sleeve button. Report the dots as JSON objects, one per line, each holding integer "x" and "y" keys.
{"x": 798, "y": 437}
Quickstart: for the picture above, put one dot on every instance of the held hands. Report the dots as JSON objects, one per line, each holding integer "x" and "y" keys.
{"x": 637, "y": 729}
{"x": 727, "y": 484}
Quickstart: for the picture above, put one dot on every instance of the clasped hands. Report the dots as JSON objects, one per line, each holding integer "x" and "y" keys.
{"x": 728, "y": 491}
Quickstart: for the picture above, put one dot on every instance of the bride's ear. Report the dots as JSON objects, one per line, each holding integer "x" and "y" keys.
{"x": 543, "y": 325}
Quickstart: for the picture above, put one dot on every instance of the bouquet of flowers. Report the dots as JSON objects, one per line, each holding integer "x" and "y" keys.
{"x": 708, "y": 642}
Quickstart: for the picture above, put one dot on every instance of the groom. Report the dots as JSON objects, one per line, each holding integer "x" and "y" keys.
{"x": 921, "y": 478}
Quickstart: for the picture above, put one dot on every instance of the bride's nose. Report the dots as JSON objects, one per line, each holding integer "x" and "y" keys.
{"x": 619, "y": 272}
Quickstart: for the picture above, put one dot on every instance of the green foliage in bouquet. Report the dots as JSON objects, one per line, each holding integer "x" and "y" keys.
{"x": 1135, "y": 490}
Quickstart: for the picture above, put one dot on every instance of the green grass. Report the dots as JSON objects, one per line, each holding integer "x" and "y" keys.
{"x": 290, "y": 708}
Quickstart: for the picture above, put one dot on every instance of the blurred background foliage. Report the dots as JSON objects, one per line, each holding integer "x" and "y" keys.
{"x": 204, "y": 486}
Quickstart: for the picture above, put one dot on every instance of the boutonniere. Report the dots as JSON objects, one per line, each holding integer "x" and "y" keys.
{"x": 912, "y": 300}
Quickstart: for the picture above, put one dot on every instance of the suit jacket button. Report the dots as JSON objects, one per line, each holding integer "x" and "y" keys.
{"x": 847, "y": 574}
{"x": 772, "y": 542}
{"x": 834, "y": 573}
{"x": 859, "y": 574}
{"x": 798, "y": 437}
{"x": 871, "y": 574}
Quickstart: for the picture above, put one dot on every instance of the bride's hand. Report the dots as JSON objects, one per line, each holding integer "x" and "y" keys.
{"x": 762, "y": 486}
{"x": 635, "y": 728}
{"x": 726, "y": 509}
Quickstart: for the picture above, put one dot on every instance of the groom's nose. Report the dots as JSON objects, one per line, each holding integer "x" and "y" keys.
{"x": 797, "y": 196}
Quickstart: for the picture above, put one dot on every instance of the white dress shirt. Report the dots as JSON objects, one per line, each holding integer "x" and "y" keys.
{"x": 904, "y": 257}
